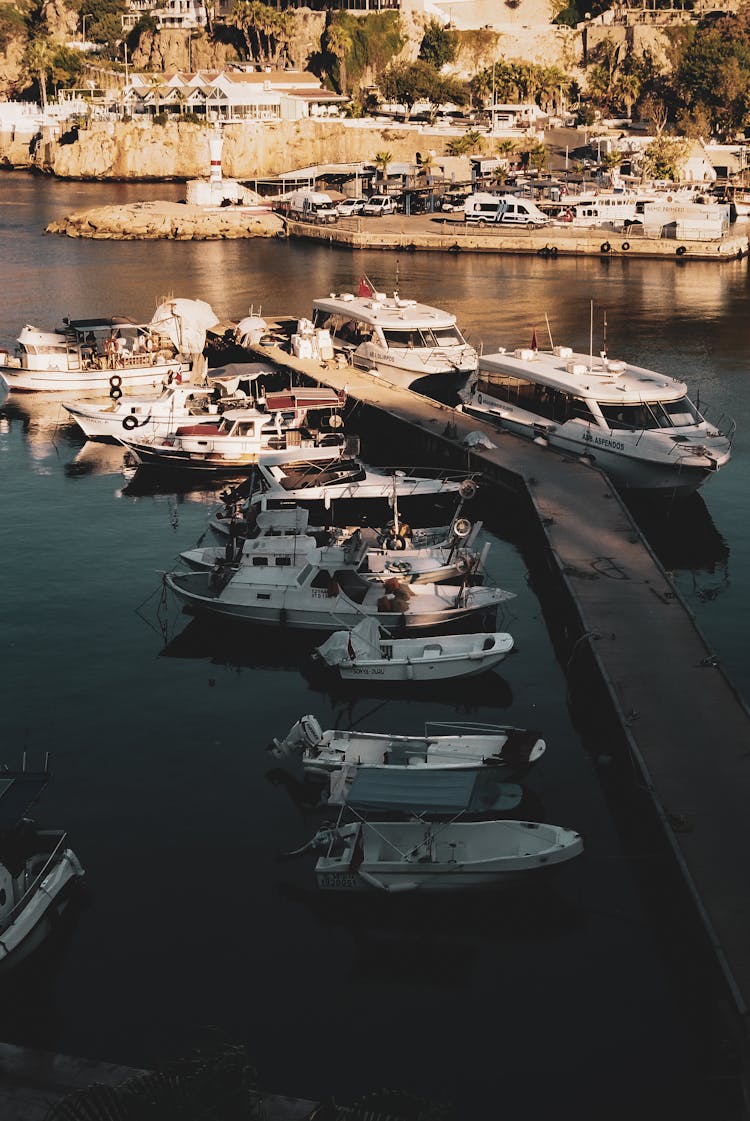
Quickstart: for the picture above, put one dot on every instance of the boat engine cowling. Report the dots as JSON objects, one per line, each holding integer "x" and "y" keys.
{"x": 306, "y": 733}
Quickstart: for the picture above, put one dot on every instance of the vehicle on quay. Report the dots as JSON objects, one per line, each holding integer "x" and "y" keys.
{"x": 503, "y": 210}
{"x": 349, "y": 207}
{"x": 378, "y": 205}
{"x": 407, "y": 343}
{"x": 637, "y": 425}
{"x": 312, "y": 206}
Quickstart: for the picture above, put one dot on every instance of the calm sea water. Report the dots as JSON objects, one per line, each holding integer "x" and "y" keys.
{"x": 568, "y": 999}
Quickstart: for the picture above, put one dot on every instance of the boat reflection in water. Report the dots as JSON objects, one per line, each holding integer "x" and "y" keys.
{"x": 682, "y": 534}
{"x": 43, "y": 422}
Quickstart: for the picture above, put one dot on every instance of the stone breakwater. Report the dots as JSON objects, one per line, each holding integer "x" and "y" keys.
{"x": 144, "y": 221}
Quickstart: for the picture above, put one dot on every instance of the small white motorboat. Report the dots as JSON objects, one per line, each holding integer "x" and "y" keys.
{"x": 427, "y": 856}
{"x": 367, "y": 653}
{"x": 37, "y": 869}
{"x": 509, "y": 751}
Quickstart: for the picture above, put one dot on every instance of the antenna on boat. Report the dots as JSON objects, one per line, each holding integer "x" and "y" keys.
{"x": 591, "y": 337}
{"x": 549, "y": 331}
{"x": 604, "y": 340}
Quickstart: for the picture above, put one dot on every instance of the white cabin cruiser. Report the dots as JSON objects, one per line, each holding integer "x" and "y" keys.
{"x": 237, "y": 439}
{"x": 359, "y": 550}
{"x": 184, "y": 402}
{"x": 366, "y": 653}
{"x": 427, "y": 856}
{"x": 407, "y": 343}
{"x": 637, "y": 425}
{"x": 442, "y": 746}
{"x": 92, "y": 355}
{"x": 37, "y": 869}
{"x": 316, "y": 595}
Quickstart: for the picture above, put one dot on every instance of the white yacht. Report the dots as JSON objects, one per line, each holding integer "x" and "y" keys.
{"x": 92, "y": 355}
{"x": 407, "y": 343}
{"x": 638, "y": 426}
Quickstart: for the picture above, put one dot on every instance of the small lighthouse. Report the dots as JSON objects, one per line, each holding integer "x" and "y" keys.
{"x": 215, "y": 145}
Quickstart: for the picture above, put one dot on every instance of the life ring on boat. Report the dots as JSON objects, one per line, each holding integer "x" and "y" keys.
{"x": 335, "y": 421}
{"x": 129, "y": 422}
{"x": 115, "y": 393}
{"x": 605, "y": 247}
{"x": 625, "y": 246}
{"x": 115, "y": 381}
{"x": 461, "y": 527}
{"x": 468, "y": 488}
{"x": 680, "y": 250}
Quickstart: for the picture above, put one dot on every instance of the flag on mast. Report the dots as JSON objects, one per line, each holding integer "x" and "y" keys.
{"x": 366, "y": 287}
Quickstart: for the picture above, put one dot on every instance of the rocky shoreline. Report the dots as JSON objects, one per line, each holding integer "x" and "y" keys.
{"x": 155, "y": 220}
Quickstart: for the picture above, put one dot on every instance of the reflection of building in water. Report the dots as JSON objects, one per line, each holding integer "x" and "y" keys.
{"x": 45, "y": 423}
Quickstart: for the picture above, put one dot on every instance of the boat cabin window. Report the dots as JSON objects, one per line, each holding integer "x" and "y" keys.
{"x": 259, "y": 562}
{"x": 345, "y": 330}
{"x": 542, "y": 400}
{"x": 398, "y": 340}
{"x": 304, "y": 575}
{"x": 655, "y": 414}
{"x": 448, "y": 336}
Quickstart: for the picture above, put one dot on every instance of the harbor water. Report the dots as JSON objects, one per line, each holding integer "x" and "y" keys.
{"x": 586, "y": 996}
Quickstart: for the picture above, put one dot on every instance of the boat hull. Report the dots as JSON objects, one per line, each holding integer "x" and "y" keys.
{"x": 27, "y": 932}
{"x": 628, "y": 470}
{"x": 421, "y": 669}
{"x": 90, "y": 381}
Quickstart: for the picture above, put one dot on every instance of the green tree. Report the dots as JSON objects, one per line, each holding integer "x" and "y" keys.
{"x": 438, "y": 45}
{"x": 37, "y": 61}
{"x": 383, "y": 161}
{"x": 665, "y": 157}
{"x": 337, "y": 43}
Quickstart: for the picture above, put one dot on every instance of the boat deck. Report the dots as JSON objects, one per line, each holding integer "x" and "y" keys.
{"x": 686, "y": 725}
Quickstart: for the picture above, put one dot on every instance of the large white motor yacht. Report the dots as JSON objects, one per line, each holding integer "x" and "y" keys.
{"x": 638, "y": 426}
{"x": 406, "y": 343}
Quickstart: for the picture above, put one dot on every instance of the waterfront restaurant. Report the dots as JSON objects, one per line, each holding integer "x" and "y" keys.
{"x": 234, "y": 95}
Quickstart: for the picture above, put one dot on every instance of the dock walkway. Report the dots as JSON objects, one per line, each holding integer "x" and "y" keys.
{"x": 685, "y": 723}
{"x": 433, "y": 233}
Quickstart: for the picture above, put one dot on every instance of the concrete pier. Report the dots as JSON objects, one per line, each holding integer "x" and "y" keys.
{"x": 432, "y": 233}
{"x": 686, "y": 726}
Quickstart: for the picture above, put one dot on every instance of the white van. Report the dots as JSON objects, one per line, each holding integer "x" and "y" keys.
{"x": 505, "y": 210}
{"x": 312, "y": 206}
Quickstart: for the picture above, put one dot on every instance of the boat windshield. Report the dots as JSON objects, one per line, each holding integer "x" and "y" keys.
{"x": 426, "y": 337}
{"x": 651, "y": 414}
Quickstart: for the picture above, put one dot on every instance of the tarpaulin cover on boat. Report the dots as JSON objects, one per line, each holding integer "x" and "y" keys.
{"x": 423, "y": 790}
{"x": 362, "y": 641}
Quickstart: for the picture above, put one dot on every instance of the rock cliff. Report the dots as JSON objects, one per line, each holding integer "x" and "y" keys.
{"x": 152, "y": 220}
{"x": 253, "y": 150}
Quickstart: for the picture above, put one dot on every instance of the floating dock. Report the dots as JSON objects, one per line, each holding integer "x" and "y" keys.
{"x": 682, "y": 719}
{"x": 430, "y": 233}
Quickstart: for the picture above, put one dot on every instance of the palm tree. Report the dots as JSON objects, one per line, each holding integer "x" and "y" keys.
{"x": 38, "y": 61}
{"x": 382, "y": 161}
{"x": 338, "y": 43}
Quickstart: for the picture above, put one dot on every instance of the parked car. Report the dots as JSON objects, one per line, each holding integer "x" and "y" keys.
{"x": 350, "y": 206}
{"x": 379, "y": 205}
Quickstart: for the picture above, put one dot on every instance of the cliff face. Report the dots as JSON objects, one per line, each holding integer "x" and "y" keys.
{"x": 251, "y": 151}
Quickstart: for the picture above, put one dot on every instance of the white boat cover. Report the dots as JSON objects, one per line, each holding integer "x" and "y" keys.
{"x": 423, "y": 790}
{"x": 362, "y": 641}
{"x": 185, "y": 323}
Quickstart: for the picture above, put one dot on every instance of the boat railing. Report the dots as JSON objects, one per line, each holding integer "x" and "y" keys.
{"x": 726, "y": 424}
{"x": 33, "y": 887}
{"x": 459, "y": 727}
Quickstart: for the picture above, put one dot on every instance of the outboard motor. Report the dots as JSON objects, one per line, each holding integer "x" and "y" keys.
{"x": 306, "y": 733}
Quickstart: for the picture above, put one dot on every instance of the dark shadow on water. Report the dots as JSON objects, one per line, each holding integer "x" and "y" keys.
{"x": 29, "y": 1015}
{"x": 681, "y": 533}
{"x": 145, "y": 482}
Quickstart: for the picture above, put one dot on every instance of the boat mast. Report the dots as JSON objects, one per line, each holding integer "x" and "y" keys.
{"x": 591, "y": 337}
